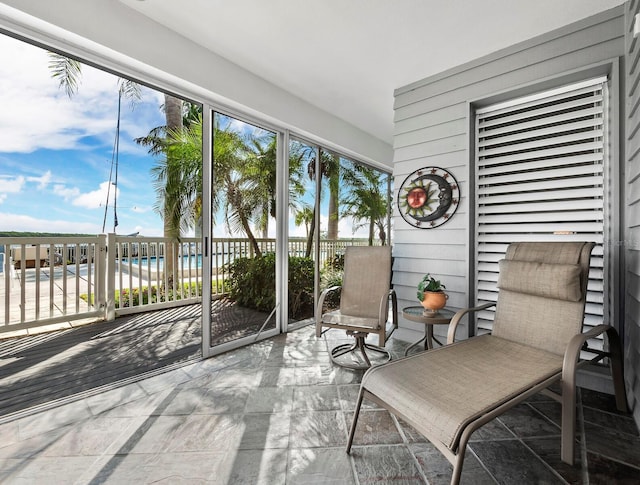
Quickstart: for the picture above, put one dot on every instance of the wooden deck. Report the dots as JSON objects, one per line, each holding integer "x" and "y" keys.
{"x": 36, "y": 370}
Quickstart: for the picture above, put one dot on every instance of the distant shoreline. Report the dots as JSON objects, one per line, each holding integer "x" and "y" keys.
{"x": 40, "y": 234}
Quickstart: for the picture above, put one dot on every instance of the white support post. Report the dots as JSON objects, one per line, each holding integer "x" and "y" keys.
{"x": 100, "y": 272}
{"x": 110, "y": 251}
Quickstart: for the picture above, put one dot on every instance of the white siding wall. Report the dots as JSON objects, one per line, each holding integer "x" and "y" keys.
{"x": 433, "y": 128}
{"x": 632, "y": 219}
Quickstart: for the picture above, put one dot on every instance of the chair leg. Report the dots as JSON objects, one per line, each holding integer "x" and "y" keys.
{"x": 457, "y": 467}
{"x": 568, "y": 420}
{"x": 617, "y": 369}
{"x": 352, "y": 431}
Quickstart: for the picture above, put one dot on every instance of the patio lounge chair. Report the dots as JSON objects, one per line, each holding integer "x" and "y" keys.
{"x": 449, "y": 392}
{"x": 30, "y": 260}
{"x": 364, "y": 306}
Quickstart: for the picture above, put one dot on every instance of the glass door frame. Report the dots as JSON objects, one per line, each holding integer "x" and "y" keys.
{"x": 316, "y": 236}
{"x": 283, "y": 137}
{"x": 282, "y": 168}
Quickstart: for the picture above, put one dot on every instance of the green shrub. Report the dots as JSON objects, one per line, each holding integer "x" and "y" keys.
{"x": 122, "y": 297}
{"x": 252, "y": 284}
{"x": 335, "y": 264}
{"x": 329, "y": 278}
{"x": 301, "y": 280}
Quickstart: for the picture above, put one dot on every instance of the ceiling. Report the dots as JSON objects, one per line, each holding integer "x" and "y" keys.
{"x": 347, "y": 56}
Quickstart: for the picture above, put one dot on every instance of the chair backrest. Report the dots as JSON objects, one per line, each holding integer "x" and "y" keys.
{"x": 542, "y": 293}
{"x": 366, "y": 280}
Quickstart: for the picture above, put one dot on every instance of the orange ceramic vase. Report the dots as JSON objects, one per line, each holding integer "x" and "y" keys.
{"x": 434, "y": 300}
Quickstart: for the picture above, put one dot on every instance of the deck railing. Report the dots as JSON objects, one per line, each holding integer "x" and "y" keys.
{"x": 45, "y": 281}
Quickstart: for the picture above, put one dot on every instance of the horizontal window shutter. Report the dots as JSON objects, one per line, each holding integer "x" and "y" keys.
{"x": 540, "y": 169}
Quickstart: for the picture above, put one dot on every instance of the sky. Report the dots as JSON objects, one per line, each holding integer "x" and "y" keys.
{"x": 56, "y": 153}
{"x": 57, "y": 156}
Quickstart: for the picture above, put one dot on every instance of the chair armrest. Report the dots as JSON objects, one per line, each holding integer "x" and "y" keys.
{"x": 323, "y": 295}
{"x": 572, "y": 353}
{"x": 383, "y": 313}
{"x": 453, "y": 325}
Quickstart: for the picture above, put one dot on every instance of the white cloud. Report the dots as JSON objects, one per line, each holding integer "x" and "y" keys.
{"x": 65, "y": 192}
{"x": 96, "y": 198}
{"x": 18, "y": 222}
{"x": 345, "y": 228}
{"x": 37, "y": 114}
{"x": 294, "y": 231}
{"x": 15, "y": 185}
{"x": 42, "y": 181}
{"x": 11, "y": 185}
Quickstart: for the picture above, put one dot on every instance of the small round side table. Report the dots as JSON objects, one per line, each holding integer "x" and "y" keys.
{"x": 417, "y": 314}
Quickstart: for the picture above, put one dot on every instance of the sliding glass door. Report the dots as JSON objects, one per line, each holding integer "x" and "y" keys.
{"x": 279, "y": 216}
{"x": 335, "y": 202}
{"x": 241, "y": 238}
{"x": 302, "y": 231}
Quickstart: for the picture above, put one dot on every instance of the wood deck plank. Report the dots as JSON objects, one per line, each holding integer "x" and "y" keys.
{"x": 38, "y": 369}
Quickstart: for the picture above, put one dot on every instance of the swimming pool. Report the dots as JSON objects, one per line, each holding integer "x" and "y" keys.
{"x": 193, "y": 261}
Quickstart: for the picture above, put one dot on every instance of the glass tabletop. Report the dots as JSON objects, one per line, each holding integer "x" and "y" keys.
{"x": 419, "y": 312}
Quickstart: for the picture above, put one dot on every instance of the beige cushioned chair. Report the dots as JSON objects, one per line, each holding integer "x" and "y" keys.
{"x": 449, "y": 392}
{"x": 364, "y": 306}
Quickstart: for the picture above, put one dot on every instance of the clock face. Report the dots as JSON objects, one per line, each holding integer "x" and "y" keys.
{"x": 428, "y": 197}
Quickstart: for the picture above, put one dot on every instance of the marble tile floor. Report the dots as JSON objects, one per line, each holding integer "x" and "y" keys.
{"x": 278, "y": 412}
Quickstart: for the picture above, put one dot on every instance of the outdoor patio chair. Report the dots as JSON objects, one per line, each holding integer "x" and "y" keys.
{"x": 449, "y": 392}
{"x": 364, "y": 306}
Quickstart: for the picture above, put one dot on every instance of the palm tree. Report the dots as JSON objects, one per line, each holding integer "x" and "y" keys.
{"x": 367, "y": 202}
{"x": 329, "y": 169}
{"x": 178, "y": 180}
{"x": 304, "y": 216}
{"x": 261, "y": 167}
{"x": 155, "y": 141}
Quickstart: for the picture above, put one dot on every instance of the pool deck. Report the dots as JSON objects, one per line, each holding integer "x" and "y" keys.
{"x": 57, "y": 289}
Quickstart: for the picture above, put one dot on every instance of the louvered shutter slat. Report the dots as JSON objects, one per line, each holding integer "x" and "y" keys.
{"x": 587, "y": 158}
{"x": 548, "y": 173}
{"x": 595, "y": 183}
{"x": 499, "y": 127}
{"x": 533, "y": 102}
{"x": 540, "y": 177}
{"x": 541, "y": 196}
{"x": 551, "y": 132}
{"x": 556, "y": 205}
{"x": 532, "y": 146}
{"x": 541, "y": 237}
{"x": 536, "y": 217}
{"x": 543, "y": 153}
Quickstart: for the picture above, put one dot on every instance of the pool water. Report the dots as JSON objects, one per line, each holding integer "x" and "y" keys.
{"x": 193, "y": 261}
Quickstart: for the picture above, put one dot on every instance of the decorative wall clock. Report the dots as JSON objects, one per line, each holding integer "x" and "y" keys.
{"x": 428, "y": 197}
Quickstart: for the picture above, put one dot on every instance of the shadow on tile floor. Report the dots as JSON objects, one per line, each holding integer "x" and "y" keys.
{"x": 278, "y": 412}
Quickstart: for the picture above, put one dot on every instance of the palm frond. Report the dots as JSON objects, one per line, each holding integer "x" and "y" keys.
{"x": 130, "y": 90}
{"x": 67, "y": 71}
